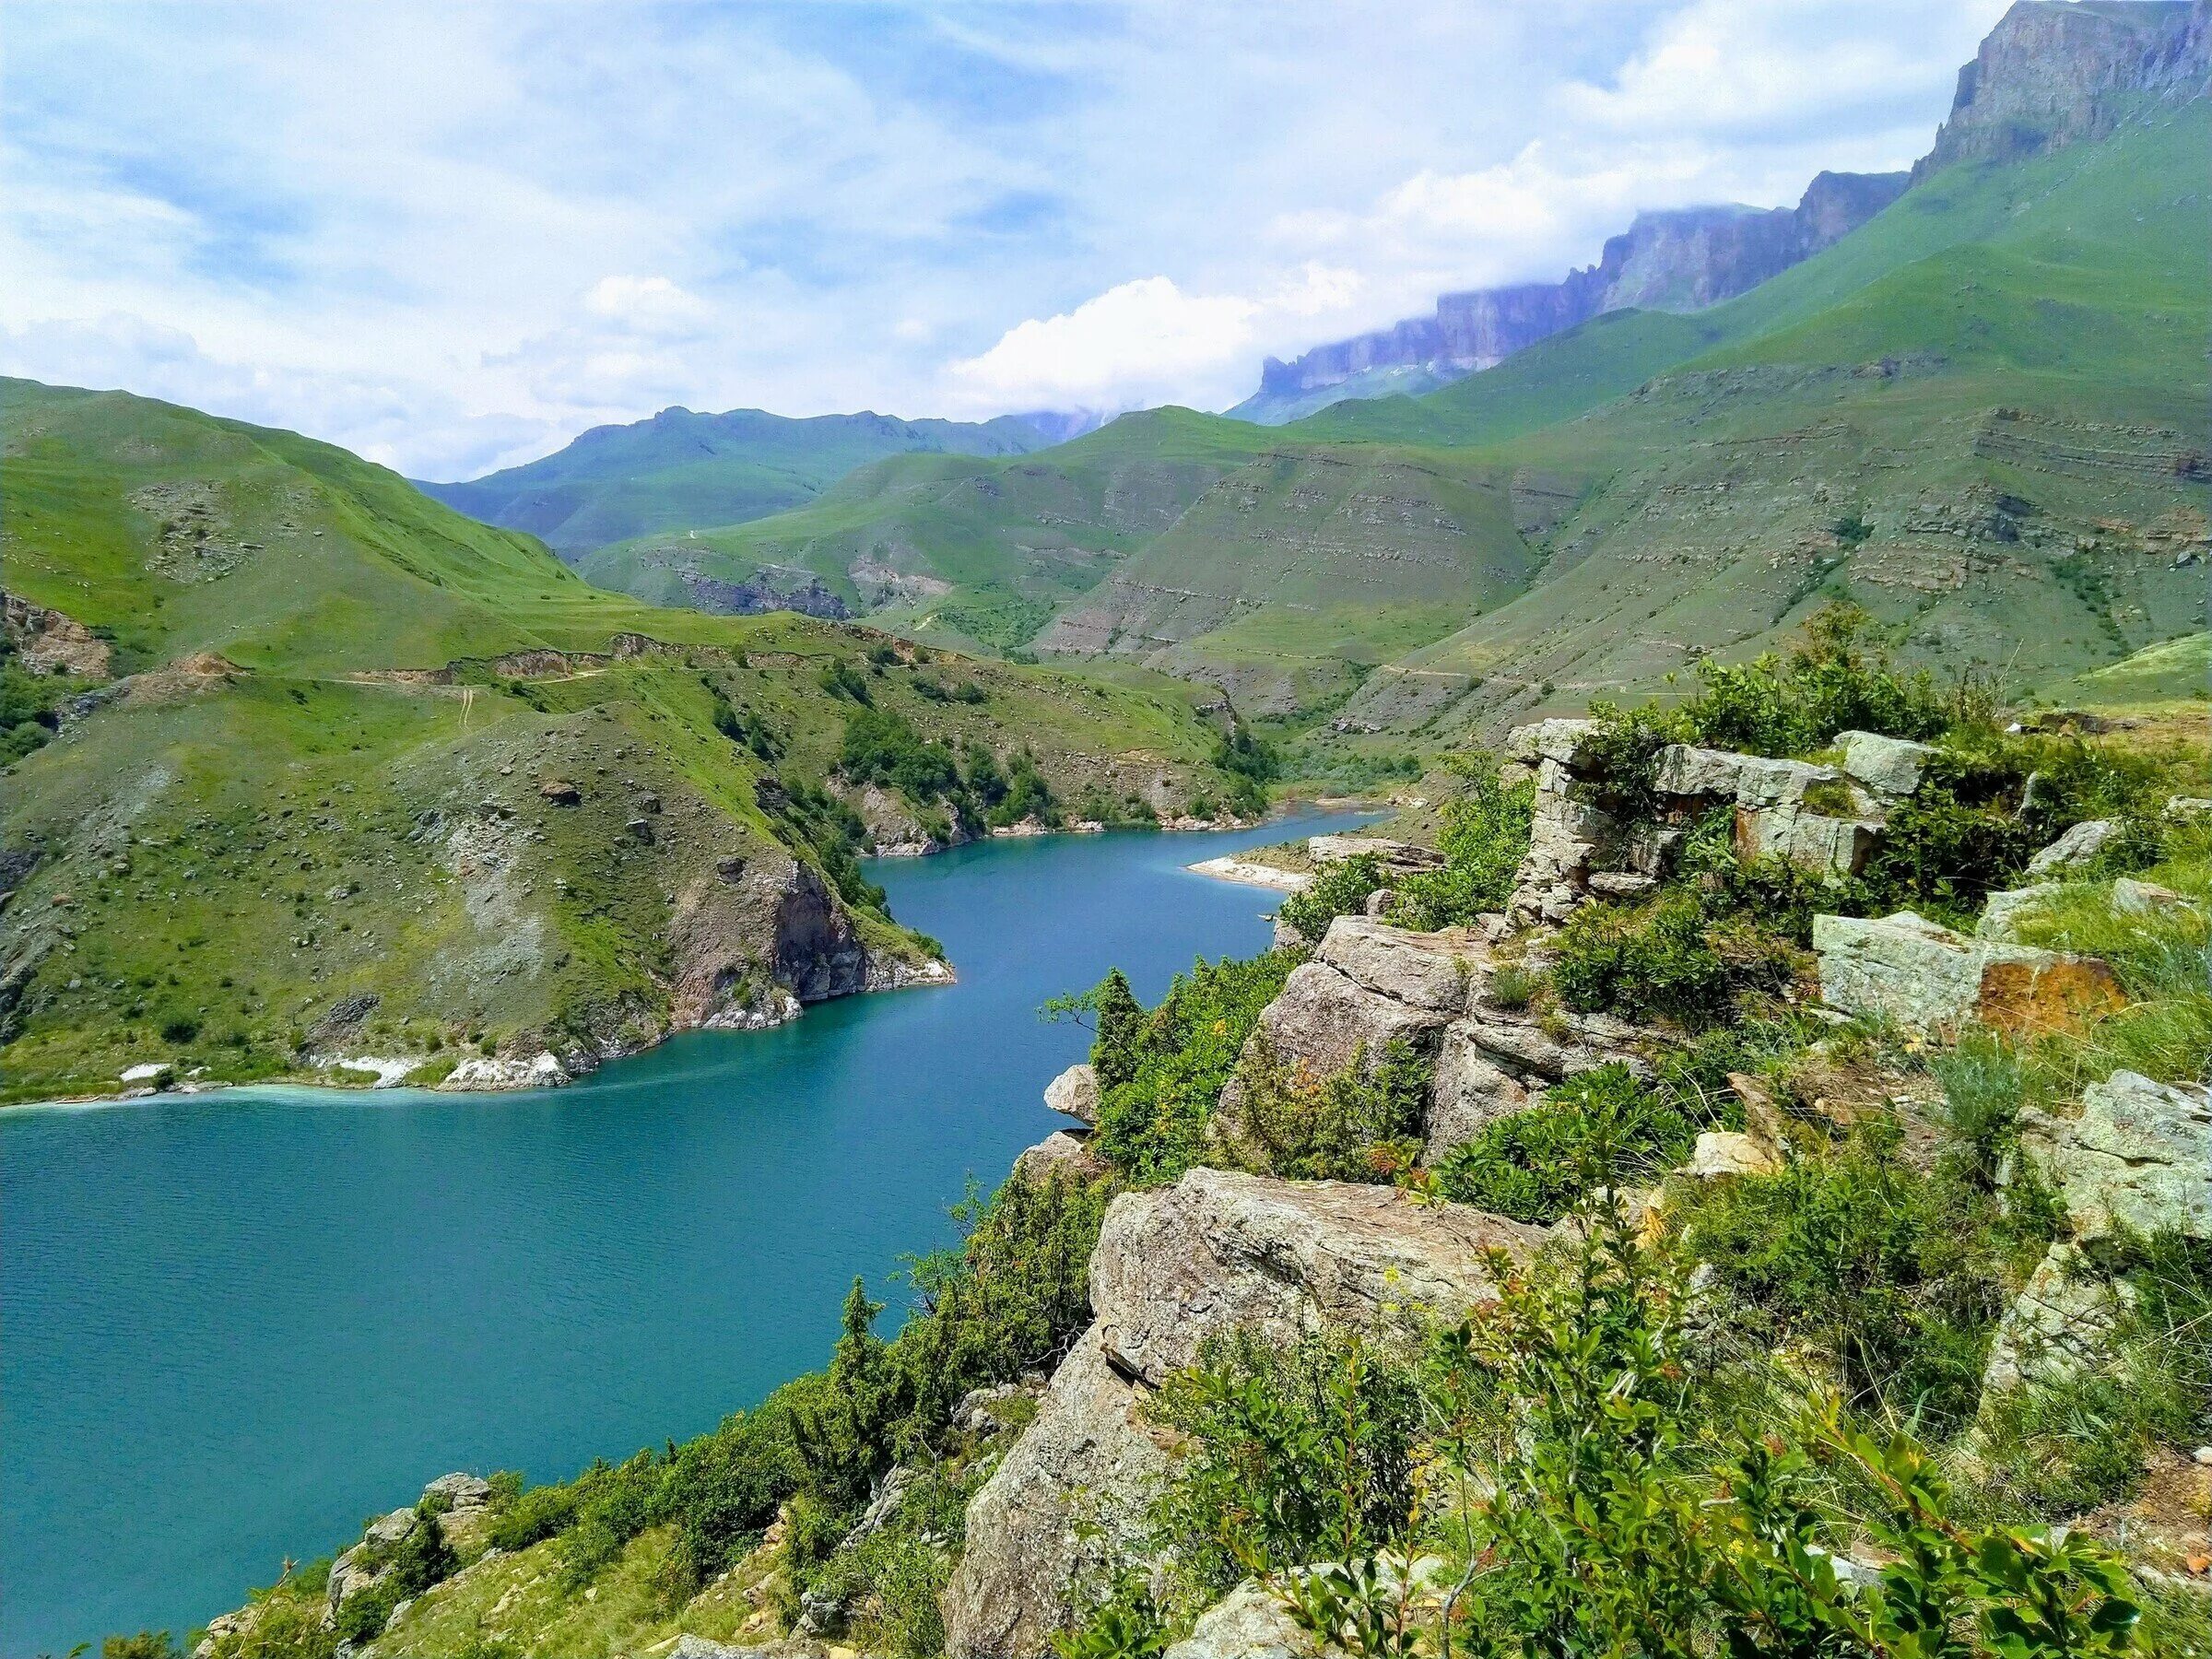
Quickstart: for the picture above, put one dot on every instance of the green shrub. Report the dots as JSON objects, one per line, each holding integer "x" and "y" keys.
{"x": 1361, "y": 1124}
{"x": 1484, "y": 837}
{"x": 1611, "y": 957}
{"x": 1337, "y": 890}
{"x": 1249, "y": 764}
{"x": 1598, "y": 1127}
{"x": 1897, "y": 1275}
{"x": 840, "y": 678}
{"x": 880, "y": 748}
{"x": 533, "y": 1516}
{"x": 2069, "y": 1443}
{"x": 1796, "y": 702}
{"x": 1160, "y": 1081}
{"x": 1300, "y": 1455}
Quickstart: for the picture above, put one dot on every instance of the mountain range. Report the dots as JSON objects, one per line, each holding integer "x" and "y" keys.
{"x": 1979, "y": 414}
{"x": 681, "y": 468}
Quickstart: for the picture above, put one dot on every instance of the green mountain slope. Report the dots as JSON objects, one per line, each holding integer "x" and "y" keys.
{"x": 681, "y": 468}
{"x": 1998, "y": 448}
{"x": 377, "y": 780}
{"x": 954, "y": 549}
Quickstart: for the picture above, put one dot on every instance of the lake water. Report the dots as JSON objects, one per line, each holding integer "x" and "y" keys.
{"x": 232, "y": 1325}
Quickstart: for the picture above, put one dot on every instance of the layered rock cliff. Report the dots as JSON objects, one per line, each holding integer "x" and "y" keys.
{"x": 1681, "y": 260}
{"x": 2052, "y": 74}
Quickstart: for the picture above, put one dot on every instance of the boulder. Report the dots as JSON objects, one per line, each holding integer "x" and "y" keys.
{"x": 1928, "y": 979}
{"x": 1431, "y": 971}
{"x": 1250, "y": 1622}
{"x": 459, "y": 1492}
{"x": 1825, "y": 844}
{"x": 2076, "y": 848}
{"x": 1470, "y": 1091}
{"x": 1721, "y": 1155}
{"x": 2001, "y": 913}
{"x": 1688, "y": 773}
{"x": 1071, "y": 1493}
{"x": 1495, "y": 1061}
{"x": 1564, "y": 742}
{"x": 1323, "y": 1018}
{"x": 2060, "y": 1324}
{"x": 2132, "y": 897}
{"x": 2138, "y": 1157}
{"x": 1887, "y": 768}
{"x": 1076, "y": 1093}
{"x": 1058, "y": 1153}
{"x": 1219, "y": 1252}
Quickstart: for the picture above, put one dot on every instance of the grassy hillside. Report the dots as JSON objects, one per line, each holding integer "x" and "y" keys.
{"x": 959, "y": 551}
{"x": 378, "y": 781}
{"x": 681, "y": 468}
{"x": 1996, "y": 447}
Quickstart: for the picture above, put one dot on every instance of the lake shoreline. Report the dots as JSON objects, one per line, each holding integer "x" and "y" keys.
{"x": 529, "y": 1077}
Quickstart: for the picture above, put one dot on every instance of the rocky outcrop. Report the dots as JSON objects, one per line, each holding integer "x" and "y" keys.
{"x": 1215, "y": 1254}
{"x": 2077, "y": 847}
{"x": 1075, "y": 1093}
{"x": 50, "y": 641}
{"x": 1370, "y": 983}
{"x": 1595, "y": 835}
{"x": 1928, "y": 979}
{"x": 2050, "y": 75}
{"x": 1494, "y": 1062}
{"x": 2139, "y": 1158}
{"x": 1071, "y": 1492}
{"x": 1683, "y": 259}
{"x": 1219, "y": 1252}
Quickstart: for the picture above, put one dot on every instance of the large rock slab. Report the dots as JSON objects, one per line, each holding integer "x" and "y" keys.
{"x": 1214, "y": 1254}
{"x": 1925, "y": 978}
{"x": 1887, "y": 768}
{"x": 1220, "y": 1252}
{"x": 1071, "y": 1494}
{"x": 1324, "y": 1018}
{"x": 1688, "y": 773}
{"x": 1429, "y": 970}
{"x": 2139, "y": 1158}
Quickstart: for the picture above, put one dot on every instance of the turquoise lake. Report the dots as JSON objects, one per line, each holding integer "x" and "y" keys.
{"x": 232, "y": 1325}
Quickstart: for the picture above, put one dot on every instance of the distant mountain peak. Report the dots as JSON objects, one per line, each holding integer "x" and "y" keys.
{"x": 2049, "y": 72}
{"x": 2057, "y": 72}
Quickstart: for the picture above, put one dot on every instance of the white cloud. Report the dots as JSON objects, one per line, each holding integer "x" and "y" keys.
{"x": 425, "y": 230}
{"x": 1137, "y": 343}
{"x": 648, "y": 305}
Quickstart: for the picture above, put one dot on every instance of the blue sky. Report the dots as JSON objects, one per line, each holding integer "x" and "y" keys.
{"x": 451, "y": 237}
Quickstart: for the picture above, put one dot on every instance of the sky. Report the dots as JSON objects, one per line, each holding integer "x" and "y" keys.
{"x": 451, "y": 237}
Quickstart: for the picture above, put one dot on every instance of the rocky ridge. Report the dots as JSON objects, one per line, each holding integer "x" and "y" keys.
{"x": 1682, "y": 259}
